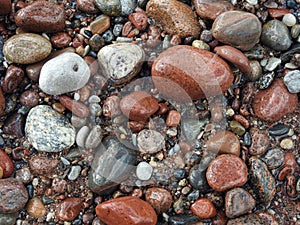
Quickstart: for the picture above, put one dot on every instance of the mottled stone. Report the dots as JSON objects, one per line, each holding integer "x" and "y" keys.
{"x": 61, "y": 40}
{"x": 69, "y": 209}
{"x": 5, "y": 7}
{"x": 203, "y": 208}
{"x": 150, "y": 141}
{"x": 14, "y": 125}
{"x": 13, "y": 79}
{"x": 292, "y": 81}
{"x": 49, "y": 131}
{"x": 273, "y": 158}
{"x": 87, "y": 6}
{"x": 6, "y": 165}
{"x": 111, "y": 106}
{"x": 160, "y": 199}
{"x": 40, "y": 165}
{"x": 29, "y": 98}
{"x": 210, "y": 9}
{"x": 36, "y": 208}
{"x": 260, "y": 141}
{"x": 116, "y": 7}
{"x": 251, "y": 219}
{"x": 139, "y": 20}
{"x": 100, "y": 24}
{"x": 8, "y": 218}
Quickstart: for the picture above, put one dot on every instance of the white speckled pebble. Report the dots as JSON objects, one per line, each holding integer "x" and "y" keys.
{"x": 289, "y": 19}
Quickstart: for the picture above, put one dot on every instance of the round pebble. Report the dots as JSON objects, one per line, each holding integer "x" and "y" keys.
{"x": 144, "y": 171}
{"x": 160, "y": 199}
{"x": 150, "y": 141}
{"x": 292, "y": 81}
{"x": 211, "y": 9}
{"x": 203, "y": 208}
{"x": 289, "y": 19}
{"x": 36, "y": 208}
{"x": 287, "y": 144}
{"x": 74, "y": 173}
{"x": 69, "y": 209}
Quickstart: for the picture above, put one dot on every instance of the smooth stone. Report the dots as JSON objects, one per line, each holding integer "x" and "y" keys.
{"x": 8, "y": 218}
{"x": 272, "y": 64}
{"x": 69, "y": 209}
{"x": 121, "y": 62}
{"x": 174, "y": 17}
{"x": 13, "y": 79}
{"x": 6, "y": 165}
{"x": 197, "y": 175}
{"x": 14, "y": 125}
{"x": 144, "y": 171}
{"x": 61, "y": 40}
{"x": 40, "y": 165}
{"x": 116, "y": 7}
{"x": 225, "y": 172}
{"x": 13, "y": 195}
{"x": 295, "y": 31}
{"x": 237, "y": 128}
{"x": 173, "y": 118}
{"x": 260, "y": 141}
{"x": 29, "y": 98}
{"x": 126, "y": 210}
{"x": 94, "y": 137}
{"x": 273, "y": 158}
{"x": 74, "y": 173}
{"x": 238, "y": 202}
{"x": 76, "y": 107}
{"x": 82, "y": 135}
{"x": 183, "y": 220}
{"x": 159, "y": 198}
{"x": 26, "y": 48}
{"x": 150, "y": 141}
{"x": 251, "y": 219}
{"x": 5, "y": 8}
{"x": 211, "y": 9}
{"x": 292, "y": 81}
{"x": 57, "y": 73}
{"x": 276, "y": 35}
{"x": 49, "y": 131}
{"x": 238, "y": 29}
{"x": 274, "y": 102}
{"x": 183, "y": 72}
{"x": 289, "y": 19}
{"x": 203, "y": 208}
{"x": 87, "y": 6}
{"x": 36, "y": 208}
{"x": 256, "y": 70}
{"x": 263, "y": 182}
{"x": 278, "y": 13}
{"x": 100, "y": 24}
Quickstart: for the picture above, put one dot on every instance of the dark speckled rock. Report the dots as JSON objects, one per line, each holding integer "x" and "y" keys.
{"x": 251, "y": 219}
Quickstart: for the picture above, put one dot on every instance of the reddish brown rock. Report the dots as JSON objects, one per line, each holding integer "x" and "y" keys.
{"x": 185, "y": 72}
{"x": 29, "y": 98}
{"x": 160, "y": 199}
{"x": 224, "y": 142}
{"x": 6, "y": 164}
{"x": 40, "y": 165}
{"x": 36, "y": 208}
{"x": 126, "y": 210}
{"x": 78, "y": 108}
{"x": 278, "y": 13}
{"x": 210, "y": 9}
{"x": 225, "y": 172}
{"x": 274, "y": 102}
{"x": 260, "y": 141}
{"x": 69, "y": 209}
{"x": 5, "y": 7}
{"x": 13, "y": 78}
{"x": 87, "y": 6}
{"x": 138, "y": 105}
{"x": 174, "y": 17}
{"x": 139, "y": 20}
{"x": 111, "y": 106}
{"x": 2, "y": 102}
{"x": 92, "y": 63}
{"x": 173, "y": 118}
{"x": 203, "y": 208}
{"x": 60, "y": 40}
{"x": 100, "y": 24}
{"x": 14, "y": 125}
{"x": 53, "y": 17}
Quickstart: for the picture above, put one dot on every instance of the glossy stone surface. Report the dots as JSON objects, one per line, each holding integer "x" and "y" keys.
{"x": 160, "y": 199}
{"x": 210, "y": 9}
{"x": 203, "y": 208}
{"x": 69, "y": 209}
{"x": 6, "y": 164}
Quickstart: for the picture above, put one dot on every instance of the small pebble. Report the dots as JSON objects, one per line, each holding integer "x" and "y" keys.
{"x": 74, "y": 173}
{"x": 203, "y": 208}
{"x": 289, "y": 19}
{"x": 292, "y": 81}
{"x": 150, "y": 141}
{"x": 287, "y": 144}
{"x": 36, "y": 208}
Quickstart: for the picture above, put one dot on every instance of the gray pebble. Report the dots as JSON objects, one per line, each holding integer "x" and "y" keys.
{"x": 150, "y": 141}
{"x": 8, "y": 218}
{"x": 116, "y": 7}
{"x": 78, "y": 121}
{"x": 95, "y": 109}
{"x": 82, "y": 135}
{"x": 94, "y": 138}
{"x": 295, "y": 31}
{"x": 289, "y": 19}
{"x": 74, "y": 173}
{"x": 273, "y": 62}
{"x": 292, "y": 81}
{"x": 144, "y": 171}
{"x": 273, "y": 158}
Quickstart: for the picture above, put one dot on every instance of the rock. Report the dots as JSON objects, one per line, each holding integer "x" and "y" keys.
{"x": 173, "y": 118}
{"x": 13, "y": 79}
{"x": 69, "y": 209}
{"x": 211, "y": 9}
{"x": 77, "y": 108}
{"x": 224, "y": 142}
{"x": 87, "y": 6}
{"x": 260, "y": 141}
{"x": 100, "y": 24}
{"x": 14, "y": 125}
{"x": 29, "y": 98}
{"x": 29, "y": 17}
{"x": 273, "y": 158}
{"x": 160, "y": 199}
{"x": 40, "y": 165}
{"x": 174, "y": 17}
{"x": 276, "y": 35}
{"x": 6, "y": 165}
{"x": 274, "y": 102}
{"x": 138, "y": 105}
{"x": 81, "y": 136}
{"x": 36, "y": 208}
{"x": 2, "y": 102}
{"x": 121, "y": 62}
{"x": 13, "y": 195}
{"x": 26, "y": 48}
{"x": 197, "y": 175}
{"x": 262, "y": 180}
{"x": 61, "y": 40}
{"x": 272, "y": 64}
{"x": 292, "y": 81}
{"x": 150, "y": 141}
{"x": 178, "y": 74}
{"x": 126, "y": 210}
{"x": 56, "y": 74}
{"x": 237, "y": 28}
{"x": 144, "y": 171}
{"x": 251, "y": 219}
{"x": 139, "y": 20}
{"x": 111, "y": 106}
{"x": 24, "y": 175}
{"x": 183, "y": 220}
{"x": 287, "y": 144}
{"x": 46, "y": 130}
{"x": 256, "y": 70}
{"x": 116, "y": 7}
{"x": 203, "y": 208}
{"x": 8, "y": 218}
{"x": 237, "y": 128}
{"x": 277, "y": 13}
{"x": 5, "y": 8}
{"x": 74, "y": 172}
{"x": 238, "y": 202}
{"x": 289, "y": 19}
{"x": 225, "y": 172}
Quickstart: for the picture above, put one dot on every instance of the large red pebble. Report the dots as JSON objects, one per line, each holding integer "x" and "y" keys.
{"x": 203, "y": 208}
{"x": 6, "y": 164}
{"x": 78, "y": 108}
{"x": 69, "y": 209}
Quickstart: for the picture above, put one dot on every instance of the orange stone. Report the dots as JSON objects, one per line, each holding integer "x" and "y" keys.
{"x": 278, "y": 13}
{"x": 203, "y": 208}
{"x": 173, "y": 118}
{"x": 69, "y": 209}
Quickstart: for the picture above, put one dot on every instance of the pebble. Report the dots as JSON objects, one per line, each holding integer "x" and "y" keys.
{"x": 87, "y": 6}
{"x": 200, "y": 44}
{"x": 295, "y": 31}
{"x": 79, "y": 109}
{"x": 174, "y": 17}
{"x": 6, "y": 165}
{"x": 150, "y": 141}
{"x": 178, "y": 75}
{"x": 183, "y": 220}
{"x": 224, "y": 142}
{"x": 138, "y": 105}
{"x": 266, "y": 80}
{"x": 5, "y": 8}
{"x": 238, "y": 202}
{"x": 56, "y": 74}
{"x": 272, "y": 64}
{"x": 221, "y": 178}
{"x": 100, "y": 24}
{"x": 2, "y": 102}
{"x": 29, "y": 98}
{"x": 111, "y": 106}
{"x": 126, "y": 210}
{"x": 121, "y": 62}
{"x": 289, "y": 19}
{"x": 287, "y": 144}
{"x": 81, "y": 136}
{"x": 144, "y": 171}
{"x": 13, "y": 195}
{"x": 292, "y": 81}
{"x": 262, "y": 180}
{"x": 237, "y": 128}
{"x": 232, "y": 27}
{"x": 26, "y": 48}
{"x": 274, "y": 102}
{"x": 14, "y": 125}
{"x": 159, "y": 198}
{"x": 69, "y": 209}
{"x": 46, "y": 130}
{"x": 250, "y": 219}
{"x": 197, "y": 175}
{"x": 260, "y": 141}
{"x": 116, "y": 7}
{"x": 94, "y": 137}
{"x": 273, "y": 158}
{"x": 276, "y": 35}
{"x": 60, "y": 40}
{"x": 40, "y": 165}
{"x": 74, "y": 173}
{"x": 256, "y": 70}
{"x": 139, "y": 20}
{"x": 29, "y": 17}
{"x": 24, "y": 175}
{"x": 203, "y": 208}
{"x": 36, "y": 208}
{"x": 13, "y": 79}
{"x": 96, "y": 42}
{"x": 173, "y": 118}
{"x": 8, "y": 218}
{"x": 278, "y": 13}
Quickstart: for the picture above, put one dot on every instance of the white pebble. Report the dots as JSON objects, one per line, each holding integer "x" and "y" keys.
{"x": 144, "y": 171}
{"x": 252, "y": 2}
{"x": 289, "y": 19}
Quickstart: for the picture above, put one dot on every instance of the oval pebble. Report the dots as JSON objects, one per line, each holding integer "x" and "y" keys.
{"x": 150, "y": 141}
{"x": 273, "y": 158}
{"x": 6, "y": 165}
{"x": 260, "y": 141}
{"x": 292, "y": 81}
{"x": 160, "y": 199}
{"x": 69, "y": 209}
{"x": 40, "y": 165}
{"x": 279, "y": 129}
{"x": 203, "y": 208}
{"x": 36, "y": 208}
{"x": 144, "y": 171}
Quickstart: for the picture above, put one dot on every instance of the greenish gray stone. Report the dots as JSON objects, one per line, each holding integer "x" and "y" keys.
{"x": 237, "y": 128}
{"x": 8, "y": 219}
{"x": 292, "y": 81}
{"x": 116, "y": 7}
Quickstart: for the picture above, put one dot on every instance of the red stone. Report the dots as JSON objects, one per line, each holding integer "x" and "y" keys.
{"x": 126, "y": 210}
{"x": 14, "y": 77}
{"x": 40, "y": 165}
{"x": 173, "y": 118}
{"x": 139, "y": 20}
{"x": 274, "y": 102}
{"x": 5, "y": 7}
{"x": 278, "y": 13}
{"x": 60, "y": 40}
{"x": 69, "y": 209}
{"x": 6, "y": 164}
{"x": 87, "y": 6}
{"x": 111, "y": 106}
{"x": 203, "y": 208}
{"x": 211, "y": 9}
{"x": 78, "y": 108}
{"x": 260, "y": 141}
{"x": 160, "y": 199}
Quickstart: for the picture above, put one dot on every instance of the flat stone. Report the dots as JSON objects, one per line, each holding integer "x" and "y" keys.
{"x": 100, "y": 24}
{"x": 69, "y": 209}
{"x": 160, "y": 199}
{"x": 40, "y": 165}
{"x": 203, "y": 208}
{"x": 292, "y": 81}
{"x": 211, "y": 9}
{"x": 278, "y": 13}
{"x": 46, "y": 130}
{"x": 260, "y": 141}
{"x": 6, "y": 165}
{"x": 5, "y": 7}
{"x": 150, "y": 141}
{"x": 57, "y": 73}
{"x": 116, "y": 7}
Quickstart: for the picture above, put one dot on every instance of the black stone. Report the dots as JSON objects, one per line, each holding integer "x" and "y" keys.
{"x": 179, "y": 174}
{"x": 279, "y": 129}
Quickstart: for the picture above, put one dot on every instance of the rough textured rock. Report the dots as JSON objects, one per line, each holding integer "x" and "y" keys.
{"x": 40, "y": 165}
{"x": 150, "y": 141}
{"x": 251, "y": 219}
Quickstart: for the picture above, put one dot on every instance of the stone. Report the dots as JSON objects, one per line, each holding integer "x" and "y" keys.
{"x": 183, "y": 220}
{"x": 260, "y": 141}
{"x": 5, "y": 7}
{"x": 138, "y": 105}
{"x": 126, "y": 210}
{"x": 26, "y": 48}
{"x": 94, "y": 138}
{"x": 36, "y": 208}
{"x": 48, "y": 131}
{"x": 8, "y": 218}
{"x": 100, "y": 24}
{"x": 273, "y": 158}
{"x": 211, "y": 9}
{"x": 13, "y": 195}
{"x": 69, "y": 209}
{"x": 111, "y": 106}
{"x": 13, "y": 79}
{"x": 150, "y": 141}
{"x": 224, "y": 142}
{"x": 274, "y": 102}
{"x": 144, "y": 171}
{"x": 174, "y": 17}
{"x": 77, "y": 108}
{"x": 74, "y": 173}
{"x": 286, "y": 144}
{"x": 251, "y": 219}
{"x": 238, "y": 202}
{"x": 278, "y": 13}
{"x": 6, "y": 165}
{"x": 87, "y": 6}
{"x": 61, "y": 40}
{"x": 116, "y": 7}
{"x": 40, "y": 165}
{"x": 203, "y": 208}
{"x": 225, "y": 172}
{"x": 187, "y": 73}
{"x": 14, "y": 125}
{"x": 237, "y": 128}
{"x": 292, "y": 81}
{"x": 191, "y": 128}
{"x": 272, "y": 64}
{"x": 256, "y": 70}
{"x": 159, "y": 198}
{"x": 29, "y": 98}
{"x": 276, "y": 35}
{"x": 24, "y": 175}
{"x": 139, "y": 20}
{"x": 57, "y": 73}
{"x": 29, "y": 17}
{"x": 173, "y": 118}
{"x": 289, "y": 19}
{"x": 2, "y": 102}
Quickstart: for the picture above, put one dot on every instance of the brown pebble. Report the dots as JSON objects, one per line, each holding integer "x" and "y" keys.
{"x": 126, "y": 28}
{"x": 173, "y": 118}
{"x": 242, "y": 120}
{"x": 163, "y": 108}
{"x": 111, "y": 106}
{"x": 260, "y": 141}
{"x": 2, "y": 102}
{"x": 211, "y": 9}
{"x": 40, "y": 165}
{"x": 29, "y": 98}
{"x": 13, "y": 78}
{"x": 60, "y": 40}
{"x": 5, "y": 7}
{"x": 36, "y": 208}
{"x": 14, "y": 125}
{"x": 139, "y": 20}
{"x": 78, "y": 108}
{"x": 291, "y": 189}
{"x": 100, "y": 24}
{"x": 69, "y": 209}
{"x": 160, "y": 199}
{"x": 6, "y": 164}
{"x": 203, "y": 208}
{"x": 87, "y": 6}
{"x": 59, "y": 186}
{"x": 278, "y": 13}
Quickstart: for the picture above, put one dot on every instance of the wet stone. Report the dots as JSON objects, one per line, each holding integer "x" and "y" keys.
{"x": 100, "y": 24}
{"x": 40, "y": 165}
{"x": 260, "y": 141}
{"x": 279, "y": 129}
{"x": 13, "y": 79}
{"x": 150, "y": 141}
{"x": 292, "y": 81}
{"x": 60, "y": 40}
{"x": 203, "y": 208}
{"x": 273, "y": 158}
{"x": 29, "y": 98}
{"x": 74, "y": 172}
{"x": 8, "y": 218}
{"x": 87, "y": 6}
{"x": 36, "y": 208}
{"x": 116, "y": 7}
{"x": 182, "y": 220}
{"x": 14, "y": 125}
{"x": 144, "y": 171}
{"x": 251, "y": 219}
{"x": 6, "y": 165}
{"x": 160, "y": 199}
{"x": 211, "y": 9}
{"x": 69, "y": 209}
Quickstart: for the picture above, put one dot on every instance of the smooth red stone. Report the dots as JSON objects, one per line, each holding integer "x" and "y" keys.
{"x": 40, "y": 165}
{"x": 225, "y": 172}
{"x": 274, "y": 102}
{"x": 139, "y": 20}
{"x": 160, "y": 199}
{"x": 29, "y": 98}
{"x": 6, "y": 164}
{"x": 126, "y": 210}
{"x": 203, "y": 208}
{"x": 69, "y": 209}
{"x": 173, "y": 118}
{"x": 187, "y": 73}
{"x": 78, "y": 108}
{"x": 14, "y": 77}
{"x": 60, "y": 40}
{"x": 278, "y": 13}
{"x": 235, "y": 56}
{"x": 210, "y": 9}
{"x": 5, "y": 7}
